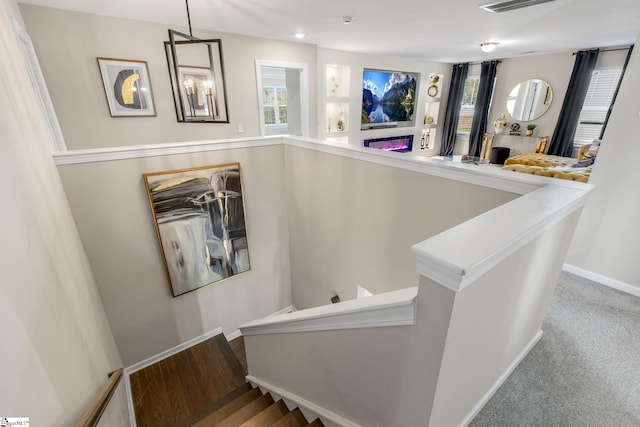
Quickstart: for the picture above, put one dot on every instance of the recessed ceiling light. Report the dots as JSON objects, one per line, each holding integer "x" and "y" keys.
{"x": 300, "y": 35}
{"x": 489, "y": 46}
{"x": 347, "y": 20}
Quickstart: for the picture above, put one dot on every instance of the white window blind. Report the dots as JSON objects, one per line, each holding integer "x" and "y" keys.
{"x": 603, "y": 85}
{"x": 468, "y": 105}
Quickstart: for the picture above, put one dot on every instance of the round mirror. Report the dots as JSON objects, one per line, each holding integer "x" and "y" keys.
{"x": 529, "y": 99}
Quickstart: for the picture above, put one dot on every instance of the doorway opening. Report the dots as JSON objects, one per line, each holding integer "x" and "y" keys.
{"x": 283, "y": 98}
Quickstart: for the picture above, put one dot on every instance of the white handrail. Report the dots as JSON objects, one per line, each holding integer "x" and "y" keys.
{"x": 387, "y": 309}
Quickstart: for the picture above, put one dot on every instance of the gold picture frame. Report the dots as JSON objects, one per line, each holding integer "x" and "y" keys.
{"x": 200, "y": 224}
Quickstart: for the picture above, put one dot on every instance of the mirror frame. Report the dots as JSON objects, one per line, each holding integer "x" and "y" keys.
{"x": 546, "y": 102}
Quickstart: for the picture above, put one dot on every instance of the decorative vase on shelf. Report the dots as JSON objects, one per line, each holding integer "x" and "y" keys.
{"x": 500, "y": 125}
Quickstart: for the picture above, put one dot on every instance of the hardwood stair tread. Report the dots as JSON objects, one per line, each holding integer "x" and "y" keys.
{"x": 215, "y": 406}
{"x": 292, "y": 419}
{"x": 268, "y": 416}
{"x": 230, "y": 408}
{"x": 247, "y": 412}
{"x": 316, "y": 423}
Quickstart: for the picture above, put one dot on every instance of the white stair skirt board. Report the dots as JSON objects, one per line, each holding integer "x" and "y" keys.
{"x": 483, "y": 401}
{"x": 304, "y": 405}
{"x": 603, "y": 280}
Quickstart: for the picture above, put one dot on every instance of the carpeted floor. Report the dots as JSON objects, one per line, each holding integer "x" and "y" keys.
{"x": 585, "y": 371}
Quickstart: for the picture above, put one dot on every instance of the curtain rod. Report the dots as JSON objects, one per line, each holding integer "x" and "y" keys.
{"x": 480, "y": 63}
{"x": 608, "y": 50}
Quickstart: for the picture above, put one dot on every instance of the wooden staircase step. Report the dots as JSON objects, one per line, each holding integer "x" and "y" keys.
{"x": 316, "y": 423}
{"x": 267, "y": 417}
{"x": 229, "y": 408}
{"x": 292, "y": 419}
{"x": 216, "y": 405}
{"x": 247, "y": 412}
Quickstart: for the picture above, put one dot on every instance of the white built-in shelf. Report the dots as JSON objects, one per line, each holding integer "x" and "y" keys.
{"x": 337, "y": 117}
{"x": 431, "y": 111}
{"x": 336, "y": 122}
{"x": 434, "y": 86}
{"x": 337, "y": 80}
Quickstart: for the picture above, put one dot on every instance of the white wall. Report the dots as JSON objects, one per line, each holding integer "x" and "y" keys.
{"x": 352, "y": 222}
{"x": 555, "y": 69}
{"x": 68, "y": 43}
{"x": 57, "y": 344}
{"x": 109, "y": 203}
{"x": 607, "y": 238}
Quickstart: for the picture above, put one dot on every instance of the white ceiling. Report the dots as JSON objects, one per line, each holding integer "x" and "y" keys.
{"x": 444, "y": 30}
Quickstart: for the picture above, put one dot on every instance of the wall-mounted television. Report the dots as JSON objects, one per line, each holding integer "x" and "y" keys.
{"x": 388, "y": 98}
{"x": 401, "y": 144}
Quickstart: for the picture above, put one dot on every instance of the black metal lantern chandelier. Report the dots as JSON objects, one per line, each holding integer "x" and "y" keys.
{"x": 196, "y": 71}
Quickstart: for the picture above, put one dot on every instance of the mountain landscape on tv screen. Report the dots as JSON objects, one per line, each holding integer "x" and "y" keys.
{"x": 388, "y": 96}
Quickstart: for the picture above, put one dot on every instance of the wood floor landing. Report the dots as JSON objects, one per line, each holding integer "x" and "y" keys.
{"x": 174, "y": 390}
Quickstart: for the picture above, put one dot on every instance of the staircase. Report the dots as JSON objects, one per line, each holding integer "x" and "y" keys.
{"x": 205, "y": 386}
{"x": 248, "y": 407}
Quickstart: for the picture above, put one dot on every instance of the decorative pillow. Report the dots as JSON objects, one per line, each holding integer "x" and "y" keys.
{"x": 593, "y": 150}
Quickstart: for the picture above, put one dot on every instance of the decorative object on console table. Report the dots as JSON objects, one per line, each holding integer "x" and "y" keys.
{"x": 487, "y": 143}
{"x": 530, "y": 129}
{"x": 500, "y": 125}
{"x": 515, "y": 129}
{"x": 541, "y": 145}
{"x": 199, "y": 219}
{"x": 127, "y": 87}
{"x": 499, "y": 155}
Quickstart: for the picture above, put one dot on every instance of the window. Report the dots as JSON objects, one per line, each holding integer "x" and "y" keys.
{"x": 468, "y": 105}
{"x": 274, "y": 100}
{"x": 596, "y": 104}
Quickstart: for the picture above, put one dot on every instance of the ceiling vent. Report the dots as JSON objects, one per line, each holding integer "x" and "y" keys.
{"x": 506, "y": 6}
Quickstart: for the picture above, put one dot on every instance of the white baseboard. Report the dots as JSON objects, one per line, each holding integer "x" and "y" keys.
{"x": 155, "y": 359}
{"x": 304, "y": 405}
{"x": 173, "y": 350}
{"x": 176, "y": 349}
{"x": 233, "y": 335}
{"x": 512, "y": 366}
{"x": 603, "y": 280}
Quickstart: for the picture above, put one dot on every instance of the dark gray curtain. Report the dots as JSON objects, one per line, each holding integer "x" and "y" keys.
{"x": 562, "y": 140}
{"x": 483, "y": 103}
{"x": 452, "y": 113}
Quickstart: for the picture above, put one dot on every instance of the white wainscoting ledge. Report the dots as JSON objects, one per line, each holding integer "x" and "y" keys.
{"x": 456, "y": 257}
{"x": 92, "y": 155}
{"x": 388, "y": 309}
{"x": 487, "y": 176}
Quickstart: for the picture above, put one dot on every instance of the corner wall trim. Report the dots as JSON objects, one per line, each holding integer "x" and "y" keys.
{"x": 323, "y": 413}
{"x": 603, "y": 280}
{"x": 512, "y": 366}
